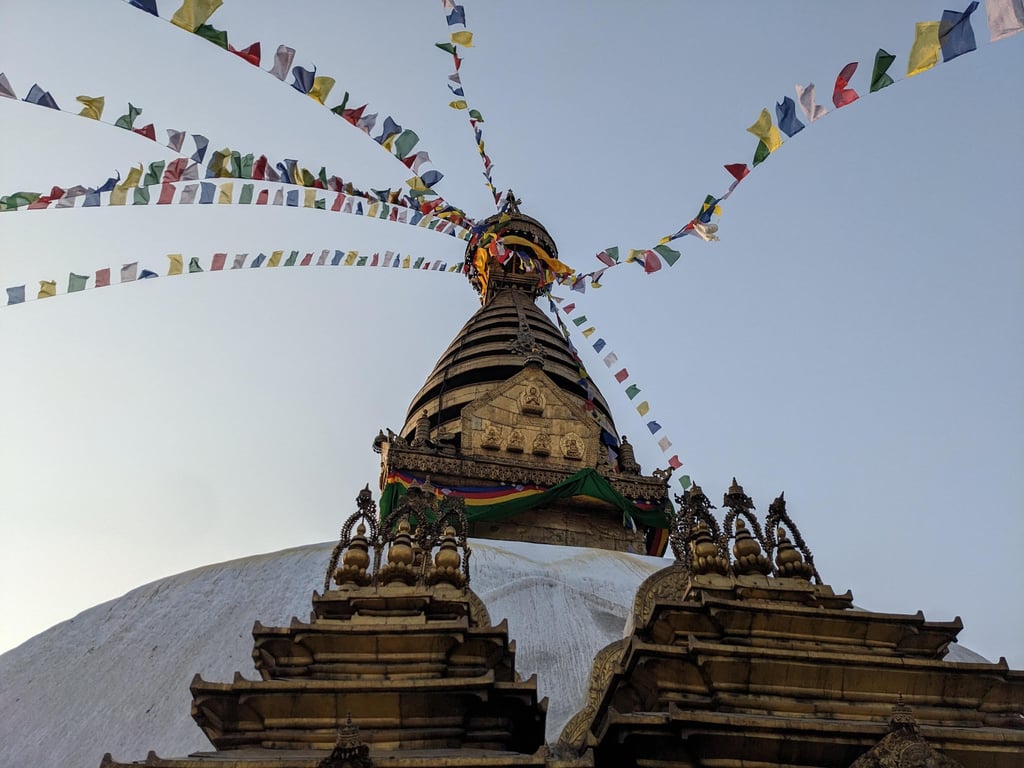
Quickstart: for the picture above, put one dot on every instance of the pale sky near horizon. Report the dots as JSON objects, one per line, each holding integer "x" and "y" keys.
{"x": 855, "y": 339}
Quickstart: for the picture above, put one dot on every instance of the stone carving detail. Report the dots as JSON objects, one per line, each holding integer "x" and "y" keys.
{"x": 575, "y": 731}
{"x": 572, "y": 446}
{"x": 516, "y": 442}
{"x": 531, "y": 401}
{"x": 542, "y": 444}
{"x": 435, "y": 551}
{"x": 349, "y": 750}
{"x": 491, "y": 437}
{"x": 702, "y": 547}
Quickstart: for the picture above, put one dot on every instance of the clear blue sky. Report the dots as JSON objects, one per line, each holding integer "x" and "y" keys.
{"x": 856, "y": 339}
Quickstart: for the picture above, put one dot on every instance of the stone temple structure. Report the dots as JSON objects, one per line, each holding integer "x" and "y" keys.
{"x": 735, "y": 654}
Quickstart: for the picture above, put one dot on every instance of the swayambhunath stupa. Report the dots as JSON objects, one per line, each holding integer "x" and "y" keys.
{"x": 515, "y": 582}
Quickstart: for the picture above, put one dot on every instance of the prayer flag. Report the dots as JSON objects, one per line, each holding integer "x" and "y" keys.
{"x": 622, "y": 375}
{"x": 578, "y": 321}
{"x": 632, "y": 391}
{"x": 92, "y": 106}
{"x": 278, "y": 197}
{"x": 239, "y": 261}
{"x": 207, "y": 191}
{"x": 924, "y": 54}
{"x": 76, "y": 282}
{"x": 292, "y": 258}
{"x": 103, "y": 277}
{"x": 361, "y": 261}
{"x": 651, "y": 262}
{"x": 322, "y": 259}
{"x": 306, "y": 260}
{"x": 760, "y": 154}
{"x": 336, "y": 259}
{"x": 805, "y": 97}
{"x": 609, "y": 256}
{"x": 246, "y": 197}
{"x": 5, "y": 89}
{"x": 457, "y": 16}
{"x": 668, "y": 254}
{"x": 653, "y": 427}
{"x": 213, "y": 35}
{"x": 217, "y": 263}
{"x": 147, "y": 273}
{"x": 275, "y": 258}
{"x": 463, "y": 37}
{"x": 879, "y": 78}
{"x": 956, "y": 37}
{"x": 16, "y": 295}
{"x": 194, "y": 13}
{"x": 458, "y": 104}
{"x": 418, "y": 263}
{"x": 1005, "y": 18}
{"x": 258, "y": 261}
{"x": 250, "y": 53}
{"x": 226, "y": 193}
{"x": 674, "y": 462}
{"x": 644, "y": 408}
{"x": 282, "y": 62}
{"x": 154, "y": 173}
{"x": 175, "y": 139}
{"x": 599, "y": 345}
{"x": 149, "y": 6}
{"x": 303, "y": 82}
{"x": 404, "y": 145}
{"x": 588, "y": 332}
{"x": 841, "y": 94}
{"x": 785, "y": 112}
{"x": 405, "y": 262}
{"x": 193, "y": 265}
{"x": 739, "y": 171}
{"x": 388, "y": 132}
{"x": 309, "y": 198}
{"x": 664, "y": 444}
{"x": 293, "y": 198}
{"x": 610, "y": 359}
{"x": 263, "y": 197}
{"x": 765, "y": 131}
{"x": 128, "y": 272}
{"x": 175, "y": 267}
{"x": 322, "y": 86}
{"x": 475, "y": 115}
{"x": 446, "y": 47}
{"x": 201, "y": 143}
{"x": 38, "y": 96}
{"x": 140, "y": 196}
{"x": 47, "y": 288}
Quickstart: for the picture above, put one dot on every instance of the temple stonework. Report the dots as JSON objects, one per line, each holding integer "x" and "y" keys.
{"x": 736, "y": 655}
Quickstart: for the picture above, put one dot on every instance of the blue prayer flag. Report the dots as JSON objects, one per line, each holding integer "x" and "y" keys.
{"x": 599, "y": 345}
{"x": 149, "y": 6}
{"x": 207, "y": 190}
{"x": 303, "y": 82}
{"x": 785, "y": 111}
{"x": 457, "y": 16}
{"x": 201, "y": 144}
{"x": 92, "y": 199}
{"x": 110, "y": 183}
{"x": 37, "y": 95}
{"x": 391, "y": 128}
{"x": 16, "y": 294}
{"x": 258, "y": 261}
{"x": 147, "y": 273}
{"x": 955, "y": 34}
{"x": 292, "y": 198}
{"x": 653, "y": 426}
{"x": 338, "y": 256}
{"x": 430, "y": 178}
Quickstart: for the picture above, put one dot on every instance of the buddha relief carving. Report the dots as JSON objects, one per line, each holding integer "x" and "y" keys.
{"x": 572, "y": 446}
{"x": 531, "y": 401}
{"x": 542, "y": 444}
{"x": 491, "y": 437}
{"x": 516, "y": 442}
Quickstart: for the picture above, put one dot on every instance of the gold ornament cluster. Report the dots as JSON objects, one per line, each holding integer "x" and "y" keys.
{"x": 423, "y": 541}
{"x": 702, "y": 547}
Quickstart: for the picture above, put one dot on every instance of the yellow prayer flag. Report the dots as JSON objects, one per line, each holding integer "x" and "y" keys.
{"x": 924, "y": 54}
{"x": 176, "y": 265}
{"x": 226, "y": 194}
{"x": 633, "y": 253}
{"x": 92, "y": 106}
{"x": 458, "y": 104}
{"x": 406, "y": 261}
{"x": 322, "y": 85}
{"x": 588, "y": 332}
{"x": 643, "y": 408}
{"x": 309, "y": 198}
{"x": 118, "y": 195}
{"x": 194, "y": 13}
{"x": 389, "y": 142}
{"x": 416, "y": 184}
{"x": 463, "y": 38}
{"x": 47, "y": 288}
{"x": 665, "y": 240}
{"x": 766, "y": 131}
{"x": 373, "y": 210}
{"x": 275, "y": 259}
{"x": 350, "y": 258}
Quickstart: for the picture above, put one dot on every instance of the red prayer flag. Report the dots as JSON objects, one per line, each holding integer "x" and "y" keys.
{"x": 738, "y": 171}
{"x": 103, "y": 277}
{"x": 147, "y": 130}
{"x": 250, "y": 53}
{"x": 651, "y": 262}
{"x": 674, "y": 462}
{"x": 166, "y": 194}
{"x": 841, "y": 95}
{"x": 174, "y": 170}
{"x": 306, "y": 260}
{"x": 263, "y": 197}
{"x": 218, "y": 261}
{"x": 339, "y": 201}
{"x": 568, "y": 308}
{"x": 374, "y": 260}
{"x": 622, "y": 375}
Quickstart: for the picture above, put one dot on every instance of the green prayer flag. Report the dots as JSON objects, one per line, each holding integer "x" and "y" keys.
{"x": 76, "y": 282}
{"x": 340, "y": 109}
{"x": 246, "y": 196}
{"x": 418, "y": 263}
{"x": 306, "y": 179}
{"x": 247, "y": 163}
{"x": 361, "y": 261}
{"x": 446, "y": 47}
{"x": 141, "y": 196}
{"x": 475, "y": 115}
{"x": 404, "y": 143}
{"x": 632, "y": 391}
{"x": 127, "y": 121}
{"x": 320, "y": 204}
{"x": 154, "y": 174}
{"x": 579, "y": 320}
{"x": 761, "y": 153}
{"x": 292, "y": 257}
{"x": 215, "y": 36}
{"x": 879, "y": 78}
{"x": 668, "y": 254}
{"x": 685, "y": 482}
{"x": 193, "y": 265}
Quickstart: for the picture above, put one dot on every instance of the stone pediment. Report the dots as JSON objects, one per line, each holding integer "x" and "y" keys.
{"x": 528, "y": 418}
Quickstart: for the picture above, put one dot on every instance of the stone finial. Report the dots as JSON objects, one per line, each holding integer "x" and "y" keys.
{"x": 902, "y": 717}
{"x": 706, "y": 557}
{"x": 627, "y": 459}
{"x": 789, "y": 561}
{"x": 355, "y": 561}
{"x": 421, "y": 436}
{"x": 735, "y": 498}
{"x": 349, "y": 751}
{"x": 447, "y": 561}
{"x": 379, "y": 440}
{"x": 747, "y": 552}
{"x": 399, "y": 566}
